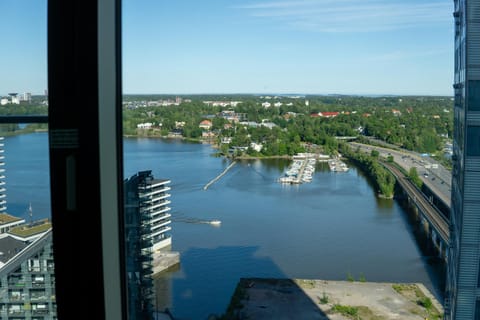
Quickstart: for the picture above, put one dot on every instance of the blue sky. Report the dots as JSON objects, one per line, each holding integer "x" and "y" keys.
{"x": 257, "y": 46}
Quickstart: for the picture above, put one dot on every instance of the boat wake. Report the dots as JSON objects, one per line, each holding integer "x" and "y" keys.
{"x": 214, "y": 222}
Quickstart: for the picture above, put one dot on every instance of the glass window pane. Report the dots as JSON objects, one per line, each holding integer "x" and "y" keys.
{"x": 27, "y": 274}
{"x": 473, "y": 141}
{"x": 474, "y": 95}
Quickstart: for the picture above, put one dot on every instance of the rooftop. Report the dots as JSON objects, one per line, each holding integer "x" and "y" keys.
{"x": 9, "y": 247}
{"x": 28, "y": 230}
{"x": 260, "y": 299}
{"x": 6, "y": 218}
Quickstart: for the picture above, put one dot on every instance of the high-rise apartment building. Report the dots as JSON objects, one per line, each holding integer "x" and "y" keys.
{"x": 463, "y": 278}
{"x": 147, "y": 221}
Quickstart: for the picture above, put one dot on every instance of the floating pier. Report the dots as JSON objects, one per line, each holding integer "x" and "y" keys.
{"x": 301, "y": 171}
{"x": 337, "y": 165}
{"x": 220, "y": 175}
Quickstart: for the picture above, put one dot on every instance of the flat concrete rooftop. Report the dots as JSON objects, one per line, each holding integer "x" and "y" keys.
{"x": 336, "y": 300}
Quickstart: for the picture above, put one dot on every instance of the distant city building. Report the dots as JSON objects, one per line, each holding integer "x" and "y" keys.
{"x": 14, "y": 98}
{"x": 463, "y": 276}
{"x": 205, "y": 124}
{"x": 147, "y": 222}
{"x": 27, "y": 96}
{"x": 179, "y": 124}
{"x": 4, "y": 101}
{"x": 396, "y": 112}
{"x": 325, "y": 114}
{"x": 146, "y": 125}
{"x": 226, "y": 140}
{"x": 208, "y": 134}
{"x": 256, "y": 146}
{"x": 222, "y": 103}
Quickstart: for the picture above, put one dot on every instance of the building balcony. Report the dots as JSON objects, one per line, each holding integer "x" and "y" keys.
{"x": 154, "y": 204}
{"x": 154, "y": 184}
{"x": 158, "y": 218}
{"x": 16, "y": 312}
{"x": 155, "y": 197}
{"x": 152, "y": 210}
{"x": 153, "y": 214}
{"x": 149, "y": 192}
{"x": 159, "y": 223}
{"x": 160, "y": 230}
{"x": 40, "y": 311}
{"x": 15, "y": 298}
{"x": 159, "y": 204}
{"x": 38, "y": 284}
{"x": 16, "y": 284}
{"x": 160, "y": 211}
{"x": 38, "y": 298}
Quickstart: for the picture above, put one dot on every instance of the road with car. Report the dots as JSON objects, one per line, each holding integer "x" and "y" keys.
{"x": 436, "y": 177}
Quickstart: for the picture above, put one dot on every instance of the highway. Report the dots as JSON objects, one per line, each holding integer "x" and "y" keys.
{"x": 434, "y": 217}
{"x": 434, "y": 175}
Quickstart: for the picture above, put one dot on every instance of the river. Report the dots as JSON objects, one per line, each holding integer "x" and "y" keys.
{"x": 331, "y": 228}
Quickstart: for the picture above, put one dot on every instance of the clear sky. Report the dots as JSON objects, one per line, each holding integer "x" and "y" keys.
{"x": 257, "y": 46}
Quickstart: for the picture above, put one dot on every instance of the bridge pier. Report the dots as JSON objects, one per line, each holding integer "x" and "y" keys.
{"x": 432, "y": 225}
{"x": 434, "y": 243}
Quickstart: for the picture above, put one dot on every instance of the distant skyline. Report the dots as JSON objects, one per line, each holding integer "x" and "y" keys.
{"x": 363, "y": 47}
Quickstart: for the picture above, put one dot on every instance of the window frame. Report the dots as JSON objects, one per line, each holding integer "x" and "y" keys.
{"x": 86, "y": 157}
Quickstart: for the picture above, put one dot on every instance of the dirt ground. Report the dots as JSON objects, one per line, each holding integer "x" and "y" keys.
{"x": 334, "y": 300}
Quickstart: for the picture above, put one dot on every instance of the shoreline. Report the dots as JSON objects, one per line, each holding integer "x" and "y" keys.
{"x": 213, "y": 146}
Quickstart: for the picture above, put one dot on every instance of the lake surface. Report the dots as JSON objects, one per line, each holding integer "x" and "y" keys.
{"x": 327, "y": 229}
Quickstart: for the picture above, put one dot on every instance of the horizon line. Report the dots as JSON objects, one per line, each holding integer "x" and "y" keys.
{"x": 295, "y": 94}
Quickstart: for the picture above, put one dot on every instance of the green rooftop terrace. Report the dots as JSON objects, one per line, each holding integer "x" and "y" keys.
{"x": 28, "y": 230}
{"x": 6, "y": 218}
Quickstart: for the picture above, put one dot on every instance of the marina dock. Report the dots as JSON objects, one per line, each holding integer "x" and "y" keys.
{"x": 301, "y": 170}
{"x": 337, "y": 165}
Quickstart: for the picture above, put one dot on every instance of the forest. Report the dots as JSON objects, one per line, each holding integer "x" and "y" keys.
{"x": 421, "y": 124}
{"x": 416, "y": 123}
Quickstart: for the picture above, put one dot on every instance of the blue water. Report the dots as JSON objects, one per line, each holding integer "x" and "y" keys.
{"x": 327, "y": 229}
{"x": 27, "y": 175}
